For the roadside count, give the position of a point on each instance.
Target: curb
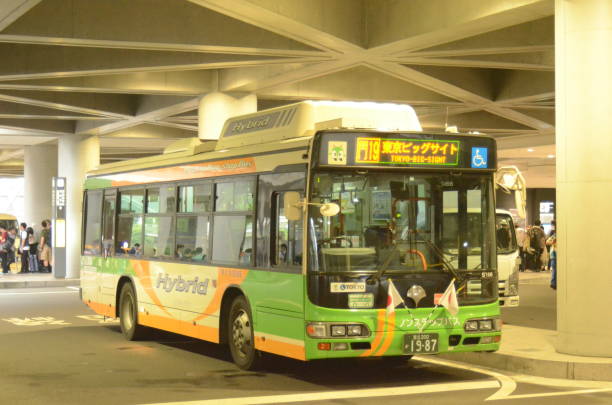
(537, 367)
(39, 283)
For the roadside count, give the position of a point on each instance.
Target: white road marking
(36, 321)
(39, 292)
(506, 384)
(558, 382)
(346, 394)
(558, 394)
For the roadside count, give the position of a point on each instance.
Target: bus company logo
(347, 287)
(178, 284)
(336, 153)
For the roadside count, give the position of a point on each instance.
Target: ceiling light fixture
(551, 156)
(530, 150)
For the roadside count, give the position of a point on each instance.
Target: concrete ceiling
(132, 71)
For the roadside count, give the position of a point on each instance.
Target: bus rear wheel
(241, 336)
(128, 314)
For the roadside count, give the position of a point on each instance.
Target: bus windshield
(400, 221)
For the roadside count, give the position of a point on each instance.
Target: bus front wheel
(128, 314)
(240, 335)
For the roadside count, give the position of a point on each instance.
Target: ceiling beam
(12, 10)
(149, 115)
(190, 82)
(290, 25)
(188, 27)
(398, 27)
(105, 105)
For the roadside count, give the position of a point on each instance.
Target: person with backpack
(44, 246)
(7, 250)
(32, 250)
(536, 247)
(24, 248)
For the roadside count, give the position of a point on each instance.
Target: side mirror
(329, 209)
(292, 206)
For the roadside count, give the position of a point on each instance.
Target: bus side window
(287, 235)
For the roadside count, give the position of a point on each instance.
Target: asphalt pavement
(56, 351)
(538, 307)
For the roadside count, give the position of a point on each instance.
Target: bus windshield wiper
(383, 267)
(446, 264)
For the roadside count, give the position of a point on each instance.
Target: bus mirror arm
(294, 206)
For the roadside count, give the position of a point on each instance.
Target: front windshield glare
(406, 223)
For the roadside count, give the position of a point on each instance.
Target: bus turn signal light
(324, 346)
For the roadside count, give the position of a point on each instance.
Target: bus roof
(276, 129)
(8, 217)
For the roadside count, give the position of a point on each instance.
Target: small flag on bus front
(449, 299)
(393, 298)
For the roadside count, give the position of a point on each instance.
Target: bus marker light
(486, 339)
(497, 339)
(316, 330)
(324, 346)
(340, 346)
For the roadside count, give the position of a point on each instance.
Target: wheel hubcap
(127, 314)
(241, 333)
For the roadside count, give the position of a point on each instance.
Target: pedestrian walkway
(531, 351)
(34, 280)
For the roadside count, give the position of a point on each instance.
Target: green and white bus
(284, 235)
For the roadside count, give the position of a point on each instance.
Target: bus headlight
(338, 330)
(319, 330)
(485, 325)
(482, 325)
(471, 326)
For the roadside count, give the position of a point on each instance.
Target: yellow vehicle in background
(9, 221)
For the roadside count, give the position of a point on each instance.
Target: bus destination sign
(407, 151)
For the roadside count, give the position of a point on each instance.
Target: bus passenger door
(109, 272)
(278, 283)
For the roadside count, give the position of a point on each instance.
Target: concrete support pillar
(583, 34)
(217, 107)
(77, 155)
(40, 165)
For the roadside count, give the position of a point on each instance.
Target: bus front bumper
(396, 343)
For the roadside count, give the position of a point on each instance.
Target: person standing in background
(553, 262)
(32, 250)
(7, 250)
(44, 246)
(3, 252)
(520, 240)
(24, 248)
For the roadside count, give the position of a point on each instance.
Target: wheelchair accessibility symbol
(479, 158)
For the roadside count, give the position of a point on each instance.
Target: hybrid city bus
(289, 234)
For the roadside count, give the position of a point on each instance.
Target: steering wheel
(417, 252)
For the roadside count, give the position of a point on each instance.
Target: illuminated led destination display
(407, 151)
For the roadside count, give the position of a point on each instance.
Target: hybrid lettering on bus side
(179, 285)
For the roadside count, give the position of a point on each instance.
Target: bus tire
(128, 314)
(240, 335)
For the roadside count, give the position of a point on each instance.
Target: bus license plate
(421, 343)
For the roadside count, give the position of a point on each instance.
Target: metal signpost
(59, 227)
